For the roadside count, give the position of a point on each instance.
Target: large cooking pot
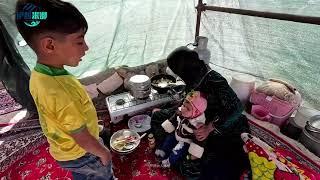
(162, 83)
(310, 142)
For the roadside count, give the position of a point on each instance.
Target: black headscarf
(186, 64)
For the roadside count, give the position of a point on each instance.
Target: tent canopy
(131, 32)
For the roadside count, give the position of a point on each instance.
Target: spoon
(130, 144)
(132, 141)
(143, 135)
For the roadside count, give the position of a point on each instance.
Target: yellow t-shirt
(64, 108)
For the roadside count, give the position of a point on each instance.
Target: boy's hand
(85, 140)
(106, 157)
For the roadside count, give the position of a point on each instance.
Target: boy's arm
(170, 124)
(85, 140)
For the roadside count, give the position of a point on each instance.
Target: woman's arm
(224, 107)
(231, 107)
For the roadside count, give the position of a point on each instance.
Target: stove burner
(121, 105)
(120, 102)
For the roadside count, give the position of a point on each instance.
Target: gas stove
(121, 105)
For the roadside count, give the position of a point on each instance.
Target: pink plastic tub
(279, 110)
(260, 113)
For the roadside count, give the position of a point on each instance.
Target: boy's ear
(47, 45)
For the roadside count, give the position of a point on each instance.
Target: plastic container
(260, 113)
(279, 110)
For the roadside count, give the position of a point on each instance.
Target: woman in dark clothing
(224, 157)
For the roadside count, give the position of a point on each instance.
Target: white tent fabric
(128, 32)
(267, 48)
(131, 32)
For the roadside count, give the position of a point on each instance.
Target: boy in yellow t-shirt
(66, 113)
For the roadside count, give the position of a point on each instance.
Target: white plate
(140, 123)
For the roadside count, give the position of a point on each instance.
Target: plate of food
(124, 141)
(140, 123)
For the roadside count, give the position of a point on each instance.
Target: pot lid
(315, 121)
(304, 114)
(139, 79)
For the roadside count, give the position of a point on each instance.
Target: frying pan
(162, 89)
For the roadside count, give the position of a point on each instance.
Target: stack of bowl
(310, 136)
(140, 86)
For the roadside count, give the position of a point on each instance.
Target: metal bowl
(119, 135)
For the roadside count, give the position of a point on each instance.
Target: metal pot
(140, 94)
(310, 142)
(313, 126)
(303, 115)
(140, 86)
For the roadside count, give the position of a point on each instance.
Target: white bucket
(243, 85)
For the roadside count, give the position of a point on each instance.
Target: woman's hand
(203, 131)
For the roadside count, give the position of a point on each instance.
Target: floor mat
(38, 164)
(7, 103)
(141, 164)
(275, 141)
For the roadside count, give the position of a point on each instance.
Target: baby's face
(186, 109)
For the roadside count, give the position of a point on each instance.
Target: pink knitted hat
(198, 102)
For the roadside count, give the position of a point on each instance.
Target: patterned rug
(37, 164)
(24, 155)
(7, 103)
(275, 141)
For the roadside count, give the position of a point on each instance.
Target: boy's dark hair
(62, 17)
